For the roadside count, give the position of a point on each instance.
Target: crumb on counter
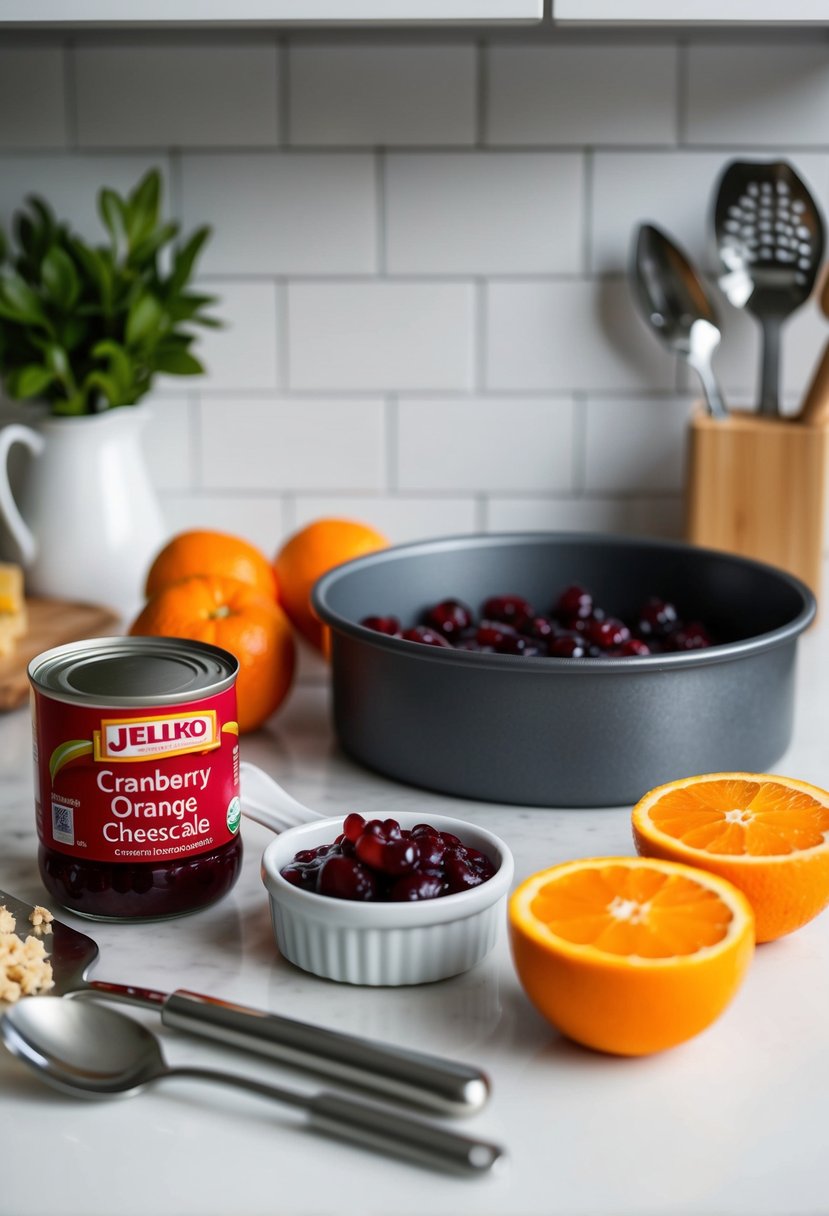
(24, 967)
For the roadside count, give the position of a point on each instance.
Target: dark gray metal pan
(563, 732)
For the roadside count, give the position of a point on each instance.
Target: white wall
(420, 249)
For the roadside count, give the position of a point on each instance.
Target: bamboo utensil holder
(757, 487)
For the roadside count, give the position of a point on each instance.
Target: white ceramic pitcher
(88, 522)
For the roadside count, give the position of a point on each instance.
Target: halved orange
(768, 835)
(630, 955)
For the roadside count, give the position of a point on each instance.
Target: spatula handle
(411, 1077)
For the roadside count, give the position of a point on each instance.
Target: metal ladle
(676, 306)
(85, 1049)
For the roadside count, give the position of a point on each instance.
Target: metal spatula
(410, 1077)
(770, 236)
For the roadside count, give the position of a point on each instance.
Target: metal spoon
(88, 1050)
(769, 235)
(675, 304)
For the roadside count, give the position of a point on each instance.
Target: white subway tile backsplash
(283, 213)
(243, 354)
(168, 442)
(581, 95)
(758, 95)
(635, 443)
(380, 335)
(259, 518)
(484, 213)
(284, 444)
(674, 190)
(400, 518)
(661, 517)
(189, 96)
(420, 250)
(573, 334)
(387, 93)
(70, 184)
(32, 89)
(486, 444)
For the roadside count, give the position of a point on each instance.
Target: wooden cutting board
(51, 623)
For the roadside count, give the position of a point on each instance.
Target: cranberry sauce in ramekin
(136, 751)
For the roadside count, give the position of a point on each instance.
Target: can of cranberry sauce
(136, 757)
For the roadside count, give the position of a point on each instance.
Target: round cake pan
(563, 732)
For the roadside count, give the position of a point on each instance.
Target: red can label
(137, 785)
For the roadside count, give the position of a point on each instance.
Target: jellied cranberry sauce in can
(136, 750)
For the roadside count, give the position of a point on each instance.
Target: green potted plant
(84, 331)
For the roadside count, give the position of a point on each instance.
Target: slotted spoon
(770, 237)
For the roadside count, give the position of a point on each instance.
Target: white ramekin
(386, 943)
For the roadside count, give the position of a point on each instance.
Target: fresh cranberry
(427, 637)
(634, 646)
(608, 633)
(449, 617)
(382, 624)
(353, 826)
(568, 646)
(391, 863)
(413, 887)
(460, 875)
(573, 604)
(540, 627)
(346, 879)
(508, 609)
(657, 618)
(692, 636)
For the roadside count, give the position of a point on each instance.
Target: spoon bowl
(675, 304)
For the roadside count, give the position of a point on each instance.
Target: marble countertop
(732, 1122)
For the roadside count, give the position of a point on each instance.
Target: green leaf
(28, 381)
(106, 385)
(57, 360)
(45, 215)
(3, 246)
(143, 320)
(142, 207)
(120, 365)
(185, 259)
(178, 363)
(26, 235)
(19, 303)
(147, 248)
(113, 213)
(60, 278)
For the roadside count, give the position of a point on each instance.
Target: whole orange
(312, 552)
(201, 551)
(237, 617)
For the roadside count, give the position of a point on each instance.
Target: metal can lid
(133, 671)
